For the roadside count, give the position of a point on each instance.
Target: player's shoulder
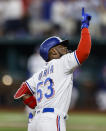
(60, 60)
(54, 61)
(68, 55)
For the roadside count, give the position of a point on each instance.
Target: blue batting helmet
(48, 44)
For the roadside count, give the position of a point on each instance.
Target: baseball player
(53, 83)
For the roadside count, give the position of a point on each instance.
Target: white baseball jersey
(53, 88)
(53, 84)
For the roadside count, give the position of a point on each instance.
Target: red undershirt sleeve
(84, 46)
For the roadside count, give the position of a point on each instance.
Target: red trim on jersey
(31, 102)
(57, 123)
(24, 89)
(84, 46)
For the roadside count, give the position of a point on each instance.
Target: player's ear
(54, 51)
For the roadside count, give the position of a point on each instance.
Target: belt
(48, 110)
(52, 110)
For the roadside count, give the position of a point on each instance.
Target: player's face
(57, 51)
(62, 50)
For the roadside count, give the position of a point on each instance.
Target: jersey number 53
(50, 89)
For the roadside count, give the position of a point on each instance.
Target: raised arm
(84, 46)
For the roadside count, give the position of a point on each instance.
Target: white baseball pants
(48, 121)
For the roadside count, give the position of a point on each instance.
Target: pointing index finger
(83, 11)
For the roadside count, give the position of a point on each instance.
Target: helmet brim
(65, 43)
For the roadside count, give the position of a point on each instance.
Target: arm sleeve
(84, 46)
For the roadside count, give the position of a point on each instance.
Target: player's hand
(85, 19)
